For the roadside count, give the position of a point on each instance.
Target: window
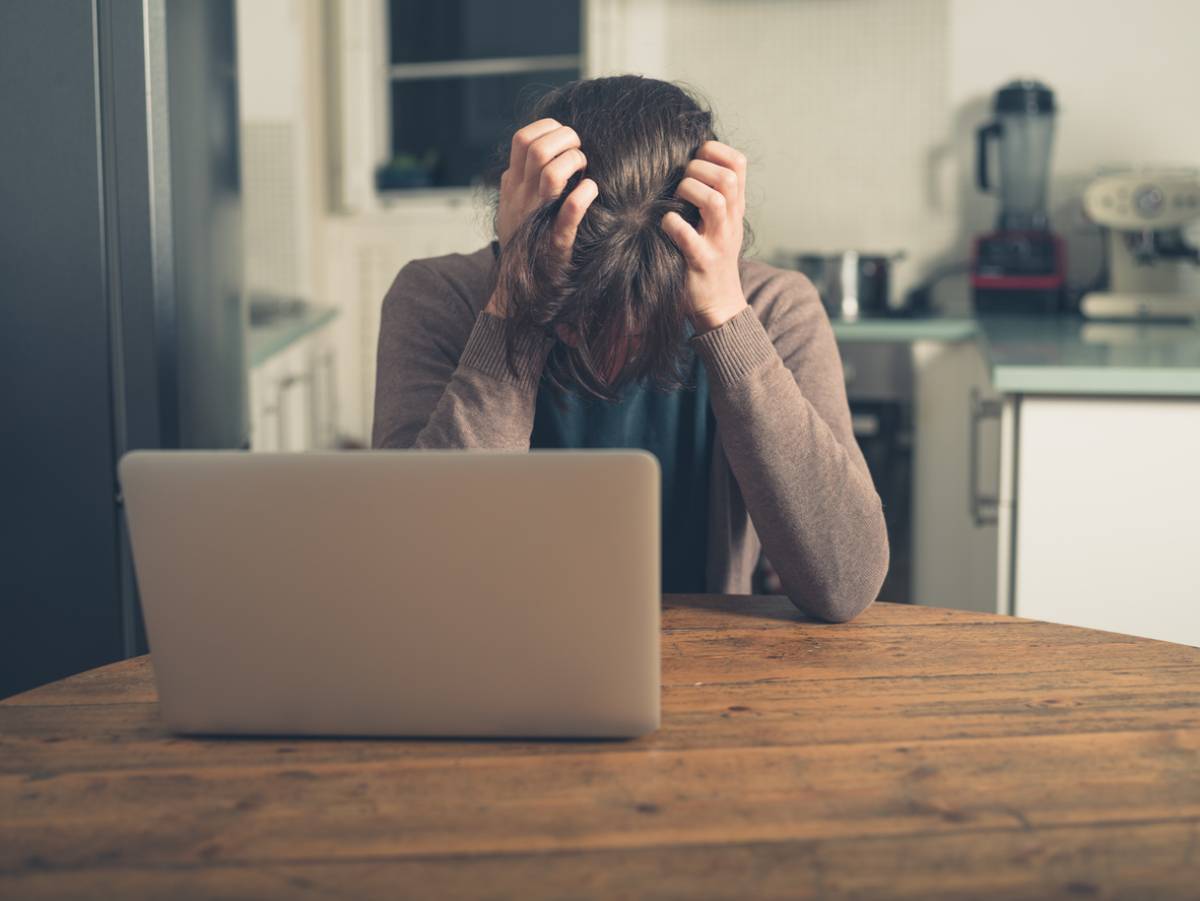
(459, 72)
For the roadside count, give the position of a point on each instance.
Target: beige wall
(1125, 74)
(858, 115)
(836, 104)
(858, 118)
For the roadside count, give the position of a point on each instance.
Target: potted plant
(407, 170)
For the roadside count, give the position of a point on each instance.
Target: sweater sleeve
(780, 399)
(442, 380)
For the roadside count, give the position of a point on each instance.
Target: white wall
(859, 115)
(279, 194)
(837, 104)
(1125, 77)
(1125, 73)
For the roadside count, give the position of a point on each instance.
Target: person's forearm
(485, 405)
(814, 507)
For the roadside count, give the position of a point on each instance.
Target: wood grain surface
(915, 753)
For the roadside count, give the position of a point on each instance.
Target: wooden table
(916, 752)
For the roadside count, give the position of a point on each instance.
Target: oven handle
(983, 508)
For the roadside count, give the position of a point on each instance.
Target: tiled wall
(272, 258)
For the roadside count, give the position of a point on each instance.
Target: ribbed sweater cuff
(734, 349)
(486, 352)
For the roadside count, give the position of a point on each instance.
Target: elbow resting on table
(854, 584)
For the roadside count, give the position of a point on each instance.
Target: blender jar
(1023, 129)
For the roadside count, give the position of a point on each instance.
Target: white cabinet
(1082, 510)
(955, 478)
(1106, 514)
(293, 397)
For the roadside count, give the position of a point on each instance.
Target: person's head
(622, 298)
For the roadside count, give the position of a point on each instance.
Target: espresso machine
(1020, 267)
(1144, 212)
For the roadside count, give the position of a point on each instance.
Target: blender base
(1019, 273)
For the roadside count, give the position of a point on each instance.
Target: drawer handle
(984, 508)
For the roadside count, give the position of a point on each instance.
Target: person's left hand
(715, 181)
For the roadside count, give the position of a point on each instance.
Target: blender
(1021, 266)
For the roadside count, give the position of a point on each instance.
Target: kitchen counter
(1077, 356)
(1060, 355)
(278, 333)
(1026, 429)
(928, 328)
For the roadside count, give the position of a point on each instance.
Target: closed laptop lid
(439, 593)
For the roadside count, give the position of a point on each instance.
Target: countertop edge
(1013, 378)
(265, 342)
(1093, 380)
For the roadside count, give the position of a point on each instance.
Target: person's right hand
(544, 156)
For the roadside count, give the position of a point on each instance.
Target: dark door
(60, 608)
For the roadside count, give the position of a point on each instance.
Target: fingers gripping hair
(621, 292)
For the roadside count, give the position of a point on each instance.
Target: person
(615, 307)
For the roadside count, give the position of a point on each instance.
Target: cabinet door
(322, 365)
(361, 264)
(264, 405)
(954, 536)
(1108, 515)
(294, 399)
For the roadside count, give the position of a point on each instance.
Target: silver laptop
(403, 593)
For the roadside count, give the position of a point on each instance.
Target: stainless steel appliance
(120, 244)
(1144, 213)
(880, 388)
(852, 284)
(1020, 267)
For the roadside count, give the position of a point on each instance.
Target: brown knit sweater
(786, 468)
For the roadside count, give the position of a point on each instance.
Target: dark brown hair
(625, 275)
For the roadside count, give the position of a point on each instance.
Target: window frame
(462, 68)
(616, 36)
